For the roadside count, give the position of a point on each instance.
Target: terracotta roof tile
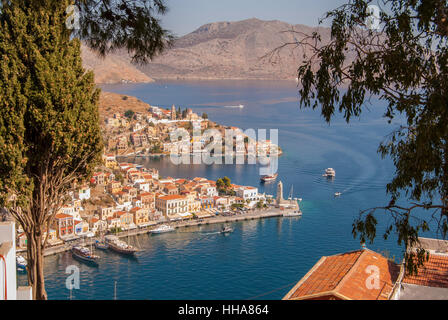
(345, 276)
(433, 273)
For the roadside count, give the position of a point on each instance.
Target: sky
(185, 16)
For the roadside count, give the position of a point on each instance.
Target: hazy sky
(186, 16)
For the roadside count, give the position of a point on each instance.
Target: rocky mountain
(234, 50)
(114, 68)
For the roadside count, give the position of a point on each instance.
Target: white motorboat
(21, 263)
(337, 194)
(295, 213)
(269, 178)
(329, 173)
(163, 229)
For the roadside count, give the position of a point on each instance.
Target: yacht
(269, 178)
(120, 246)
(295, 213)
(163, 229)
(330, 173)
(84, 254)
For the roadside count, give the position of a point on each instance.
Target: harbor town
(127, 199)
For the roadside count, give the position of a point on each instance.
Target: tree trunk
(35, 265)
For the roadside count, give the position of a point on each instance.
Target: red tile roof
(62, 216)
(433, 273)
(172, 197)
(346, 276)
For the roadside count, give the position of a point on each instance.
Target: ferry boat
(21, 263)
(84, 254)
(269, 178)
(163, 229)
(329, 173)
(119, 246)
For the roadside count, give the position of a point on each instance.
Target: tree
(227, 182)
(220, 184)
(109, 25)
(49, 127)
(129, 114)
(404, 63)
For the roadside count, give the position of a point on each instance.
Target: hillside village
(123, 196)
(147, 132)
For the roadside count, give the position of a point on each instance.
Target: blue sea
(261, 259)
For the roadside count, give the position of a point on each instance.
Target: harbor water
(260, 259)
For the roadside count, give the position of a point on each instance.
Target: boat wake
(241, 106)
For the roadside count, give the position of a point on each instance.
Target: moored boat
(119, 246)
(84, 254)
(21, 263)
(162, 229)
(295, 213)
(101, 245)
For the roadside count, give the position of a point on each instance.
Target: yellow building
(141, 216)
(172, 205)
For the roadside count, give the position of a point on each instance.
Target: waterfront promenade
(271, 212)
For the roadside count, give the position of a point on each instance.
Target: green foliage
(224, 186)
(49, 125)
(129, 114)
(50, 118)
(405, 64)
(236, 206)
(156, 149)
(109, 25)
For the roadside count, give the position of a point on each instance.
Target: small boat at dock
(84, 254)
(162, 229)
(21, 263)
(101, 245)
(119, 246)
(295, 213)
